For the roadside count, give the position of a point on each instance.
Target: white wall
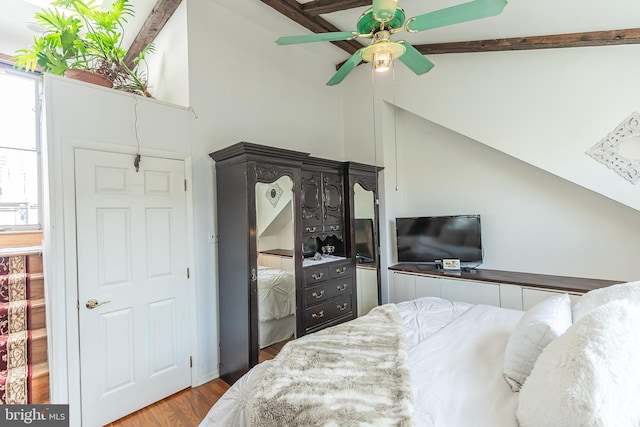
(243, 87)
(168, 66)
(532, 221)
(546, 107)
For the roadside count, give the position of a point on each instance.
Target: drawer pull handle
(342, 307)
(317, 276)
(317, 295)
(341, 270)
(318, 315)
(310, 229)
(342, 287)
(335, 227)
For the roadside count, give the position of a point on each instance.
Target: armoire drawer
(338, 271)
(334, 228)
(317, 294)
(313, 275)
(327, 311)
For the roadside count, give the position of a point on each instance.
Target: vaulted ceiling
(310, 15)
(320, 16)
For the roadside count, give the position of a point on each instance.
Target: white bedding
(457, 372)
(456, 353)
(276, 305)
(276, 294)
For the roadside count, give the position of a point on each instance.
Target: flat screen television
(365, 240)
(429, 239)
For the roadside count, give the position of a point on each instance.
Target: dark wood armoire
(325, 291)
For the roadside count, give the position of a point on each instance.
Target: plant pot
(88, 77)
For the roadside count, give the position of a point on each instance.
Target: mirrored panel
(365, 223)
(275, 234)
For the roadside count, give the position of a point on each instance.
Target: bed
(276, 305)
(556, 364)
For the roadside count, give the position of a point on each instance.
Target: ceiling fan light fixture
(382, 54)
(382, 59)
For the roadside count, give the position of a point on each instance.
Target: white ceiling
(520, 18)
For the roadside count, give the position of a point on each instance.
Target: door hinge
(191, 361)
(185, 185)
(188, 273)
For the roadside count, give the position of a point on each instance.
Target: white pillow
(590, 375)
(540, 325)
(597, 297)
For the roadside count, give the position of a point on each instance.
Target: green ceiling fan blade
(455, 14)
(384, 10)
(320, 37)
(414, 60)
(346, 68)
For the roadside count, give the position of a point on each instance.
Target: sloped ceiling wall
(546, 108)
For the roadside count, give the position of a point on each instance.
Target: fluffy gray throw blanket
(353, 374)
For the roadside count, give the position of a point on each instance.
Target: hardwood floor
(188, 407)
(184, 409)
(270, 352)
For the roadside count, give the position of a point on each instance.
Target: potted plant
(78, 35)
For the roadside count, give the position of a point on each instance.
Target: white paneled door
(132, 282)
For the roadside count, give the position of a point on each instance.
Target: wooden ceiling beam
(152, 26)
(557, 41)
(318, 7)
(293, 10)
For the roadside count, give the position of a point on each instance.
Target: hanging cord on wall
(395, 124)
(373, 111)
(375, 142)
(137, 159)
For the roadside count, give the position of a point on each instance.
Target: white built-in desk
(507, 289)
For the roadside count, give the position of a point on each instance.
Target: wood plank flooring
(188, 407)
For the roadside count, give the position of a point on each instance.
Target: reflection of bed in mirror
(276, 298)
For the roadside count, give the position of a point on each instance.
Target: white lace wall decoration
(606, 151)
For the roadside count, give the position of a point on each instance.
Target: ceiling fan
(383, 20)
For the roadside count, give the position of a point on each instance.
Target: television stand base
(427, 267)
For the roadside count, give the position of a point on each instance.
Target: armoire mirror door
(275, 242)
(366, 229)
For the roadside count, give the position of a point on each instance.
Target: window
(20, 181)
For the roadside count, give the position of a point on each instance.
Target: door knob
(93, 303)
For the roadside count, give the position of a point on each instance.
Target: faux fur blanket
(353, 374)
